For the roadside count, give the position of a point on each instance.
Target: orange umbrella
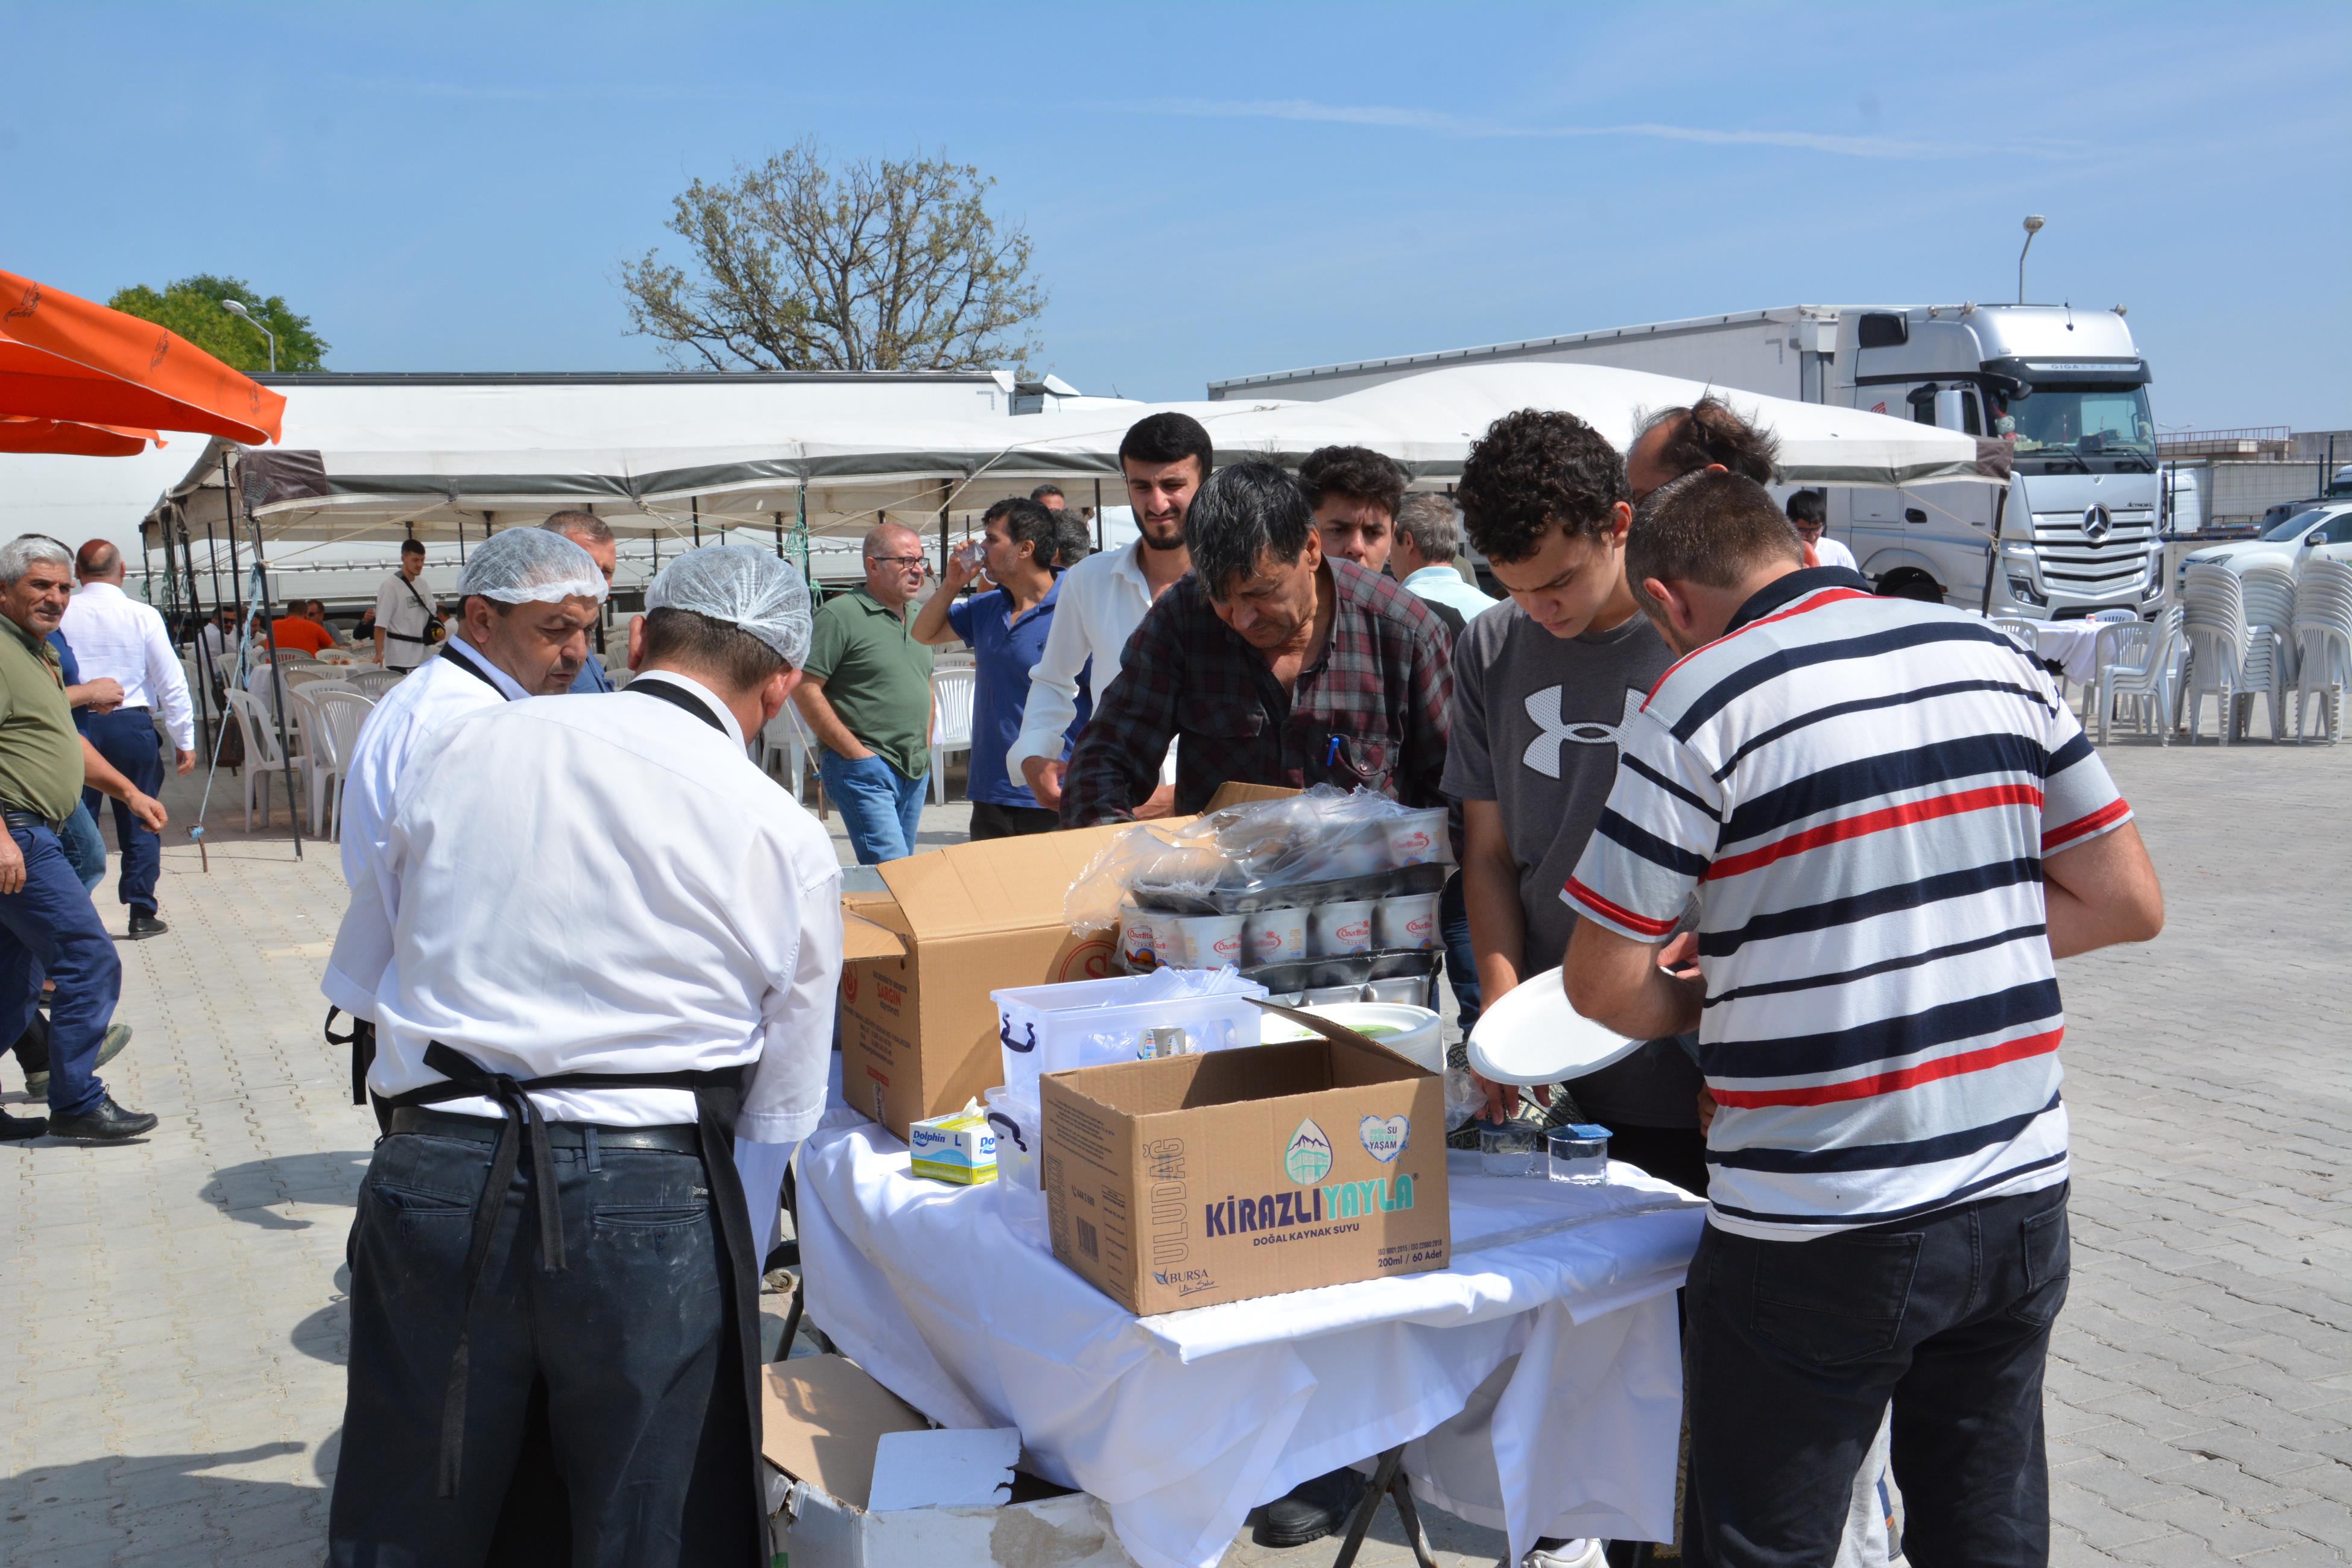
(65, 438)
(64, 359)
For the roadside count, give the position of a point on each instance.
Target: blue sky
(1218, 190)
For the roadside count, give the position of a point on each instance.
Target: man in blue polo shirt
(1005, 628)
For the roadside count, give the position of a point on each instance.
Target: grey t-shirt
(1534, 727)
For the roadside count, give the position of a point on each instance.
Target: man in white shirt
(1428, 541)
(525, 605)
(405, 615)
(556, 1204)
(116, 638)
(1809, 510)
(1101, 601)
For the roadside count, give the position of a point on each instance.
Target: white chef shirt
(397, 610)
(1443, 585)
(1828, 552)
(439, 692)
(115, 635)
(602, 885)
(1099, 604)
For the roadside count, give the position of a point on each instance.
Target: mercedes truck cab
(2080, 526)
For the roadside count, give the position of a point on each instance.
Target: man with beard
(1166, 458)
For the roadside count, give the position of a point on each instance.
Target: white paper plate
(1533, 1036)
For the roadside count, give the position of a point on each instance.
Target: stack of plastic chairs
(2270, 646)
(2323, 637)
(2214, 600)
(2024, 633)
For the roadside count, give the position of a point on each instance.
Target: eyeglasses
(903, 562)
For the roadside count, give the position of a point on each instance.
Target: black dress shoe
(1309, 1511)
(143, 924)
(14, 1128)
(105, 1122)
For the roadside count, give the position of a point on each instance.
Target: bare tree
(885, 265)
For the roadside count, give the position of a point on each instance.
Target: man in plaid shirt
(1276, 664)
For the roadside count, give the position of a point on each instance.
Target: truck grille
(2073, 564)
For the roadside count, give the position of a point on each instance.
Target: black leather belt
(682, 1138)
(32, 819)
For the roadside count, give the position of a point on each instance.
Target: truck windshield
(2068, 422)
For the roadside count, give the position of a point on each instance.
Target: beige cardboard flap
(1234, 793)
(861, 938)
(995, 885)
(821, 1418)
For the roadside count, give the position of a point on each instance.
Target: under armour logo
(1543, 752)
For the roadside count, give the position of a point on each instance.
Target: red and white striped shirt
(1860, 792)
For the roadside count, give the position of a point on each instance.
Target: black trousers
(1794, 1350)
(989, 820)
(632, 1348)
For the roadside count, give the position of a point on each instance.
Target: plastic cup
(1418, 838)
(1514, 1149)
(1579, 1154)
(1138, 945)
(1334, 930)
(1409, 920)
(1275, 936)
(1212, 941)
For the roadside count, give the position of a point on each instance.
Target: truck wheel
(1909, 582)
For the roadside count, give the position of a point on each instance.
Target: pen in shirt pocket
(1331, 752)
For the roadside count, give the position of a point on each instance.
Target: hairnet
(528, 565)
(743, 587)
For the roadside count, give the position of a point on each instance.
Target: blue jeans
(879, 806)
(85, 850)
(127, 738)
(50, 927)
(1460, 963)
(1946, 1318)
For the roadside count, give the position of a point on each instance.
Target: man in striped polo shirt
(1893, 827)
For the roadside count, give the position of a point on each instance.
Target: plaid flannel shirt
(1370, 710)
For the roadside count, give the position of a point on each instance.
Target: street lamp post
(236, 307)
(2032, 227)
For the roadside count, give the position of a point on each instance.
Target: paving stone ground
(181, 1327)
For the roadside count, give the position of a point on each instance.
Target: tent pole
(235, 571)
(461, 541)
(1098, 516)
(943, 530)
(801, 537)
(1992, 551)
(694, 509)
(276, 671)
(780, 535)
(207, 700)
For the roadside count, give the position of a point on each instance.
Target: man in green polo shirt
(865, 692)
(48, 928)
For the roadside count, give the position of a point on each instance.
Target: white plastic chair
(374, 682)
(785, 742)
(262, 756)
(334, 727)
(2220, 641)
(2323, 639)
(2106, 617)
(2269, 668)
(2024, 633)
(952, 691)
(2134, 661)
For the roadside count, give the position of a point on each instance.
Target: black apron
(718, 1098)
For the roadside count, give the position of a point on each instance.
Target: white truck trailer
(2079, 523)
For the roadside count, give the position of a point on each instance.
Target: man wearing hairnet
(589, 1116)
(527, 601)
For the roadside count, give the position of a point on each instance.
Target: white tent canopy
(666, 459)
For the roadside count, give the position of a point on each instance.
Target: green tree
(893, 264)
(192, 307)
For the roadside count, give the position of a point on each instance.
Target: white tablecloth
(1538, 1380)
(2073, 645)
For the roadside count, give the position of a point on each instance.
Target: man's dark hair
(96, 559)
(316, 609)
(1531, 472)
(1358, 473)
(1047, 488)
(1707, 528)
(1246, 511)
(1074, 543)
(682, 637)
(1808, 508)
(1029, 522)
(1708, 432)
(1168, 438)
(410, 547)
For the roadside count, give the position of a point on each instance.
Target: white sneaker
(1582, 1554)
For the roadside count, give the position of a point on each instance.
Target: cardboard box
(860, 1480)
(1188, 1180)
(917, 1030)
